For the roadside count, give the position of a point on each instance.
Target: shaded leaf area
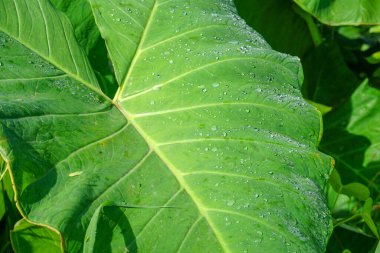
(352, 137)
(343, 239)
(328, 80)
(222, 135)
(9, 214)
(109, 231)
(87, 33)
(277, 21)
(343, 12)
(30, 238)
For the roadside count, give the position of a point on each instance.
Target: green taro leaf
(343, 12)
(28, 238)
(208, 120)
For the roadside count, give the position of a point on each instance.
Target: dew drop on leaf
(230, 202)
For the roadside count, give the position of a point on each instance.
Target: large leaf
(280, 25)
(208, 120)
(343, 12)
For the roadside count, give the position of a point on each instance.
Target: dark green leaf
(276, 20)
(352, 138)
(328, 80)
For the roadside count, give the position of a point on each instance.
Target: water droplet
(204, 90)
(214, 149)
(171, 61)
(118, 19)
(215, 85)
(214, 128)
(257, 195)
(230, 202)
(247, 110)
(224, 134)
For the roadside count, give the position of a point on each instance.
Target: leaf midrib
(154, 147)
(129, 118)
(180, 178)
(152, 144)
(137, 53)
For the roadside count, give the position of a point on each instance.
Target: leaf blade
(49, 142)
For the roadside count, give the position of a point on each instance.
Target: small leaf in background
(322, 108)
(343, 12)
(350, 32)
(356, 190)
(29, 238)
(374, 58)
(374, 29)
(367, 217)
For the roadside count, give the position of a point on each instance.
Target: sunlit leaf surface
(208, 120)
